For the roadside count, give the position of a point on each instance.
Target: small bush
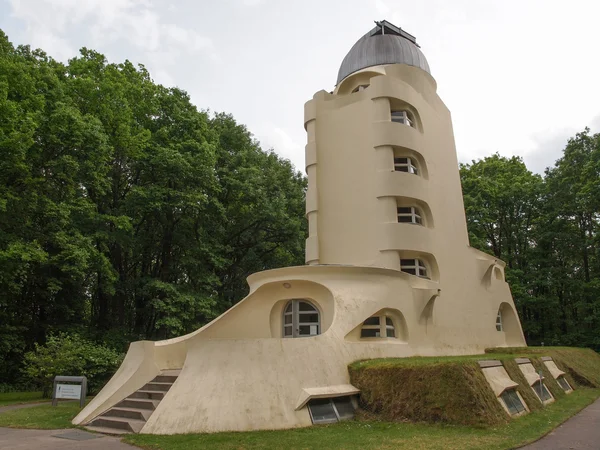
(70, 355)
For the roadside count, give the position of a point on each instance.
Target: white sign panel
(72, 391)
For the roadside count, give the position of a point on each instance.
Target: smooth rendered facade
(389, 272)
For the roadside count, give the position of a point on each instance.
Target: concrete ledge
(489, 363)
(546, 358)
(341, 390)
(522, 360)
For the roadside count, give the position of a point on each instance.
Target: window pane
(405, 219)
(321, 411)
(401, 160)
(401, 168)
(421, 264)
(414, 170)
(407, 262)
(308, 330)
(304, 306)
(287, 331)
(389, 321)
(288, 308)
(541, 391)
(369, 333)
(512, 401)
(404, 210)
(391, 333)
(372, 321)
(308, 318)
(410, 271)
(564, 383)
(287, 318)
(344, 407)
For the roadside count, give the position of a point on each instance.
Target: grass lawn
(384, 435)
(43, 417)
(15, 398)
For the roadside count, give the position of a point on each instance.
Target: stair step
(152, 395)
(138, 403)
(128, 413)
(157, 386)
(105, 430)
(119, 423)
(165, 379)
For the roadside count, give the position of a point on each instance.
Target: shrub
(71, 355)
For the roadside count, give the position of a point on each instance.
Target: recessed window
(403, 117)
(409, 214)
(562, 381)
(512, 401)
(414, 267)
(331, 410)
(360, 88)
(499, 326)
(406, 164)
(301, 319)
(377, 327)
(541, 391)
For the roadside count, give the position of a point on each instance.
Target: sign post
(69, 391)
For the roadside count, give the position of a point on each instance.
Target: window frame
(383, 326)
(339, 418)
(411, 165)
(415, 215)
(540, 386)
(420, 268)
(560, 380)
(402, 116)
(295, 312)
(499, 322)
(510, 395)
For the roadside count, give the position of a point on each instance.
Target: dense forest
(126, 213)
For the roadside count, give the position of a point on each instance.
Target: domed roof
(384, 44)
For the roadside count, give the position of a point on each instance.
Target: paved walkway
(581, 432)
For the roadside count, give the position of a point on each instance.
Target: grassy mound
(453, 390)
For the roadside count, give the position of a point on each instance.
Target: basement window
(406, 164)
(563, 383)
(377, 327)
(499, 326)
(541, 391)
(330, 410)
(512, 401)
(403, 117)
(409, 214)
(414, 267)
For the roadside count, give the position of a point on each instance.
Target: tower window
(409, 214)
(377, 327)
(499, 326)
(301, 319)
(414, 267)
(406, 165)
(360, 88)
(512, 401)
(403, 117)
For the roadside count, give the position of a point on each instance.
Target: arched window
(409, 214)
(414, 267)
(403, 117)
(406, 164)
(300, 319)
(378, 327)
(499, 326)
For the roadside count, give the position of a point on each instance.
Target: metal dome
(384, 44)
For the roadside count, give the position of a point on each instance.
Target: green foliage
(126, 213)
(547, 231)
(70, 355)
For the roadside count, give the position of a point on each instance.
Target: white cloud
(276, 138)
(253, 2)
(382, 7)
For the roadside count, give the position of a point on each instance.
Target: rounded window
(414, 267)
(381, 326)
(301, 319)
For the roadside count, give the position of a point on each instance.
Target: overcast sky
(520, 76)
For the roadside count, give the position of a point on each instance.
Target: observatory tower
(389, 271)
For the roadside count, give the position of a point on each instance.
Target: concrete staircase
(130, 415)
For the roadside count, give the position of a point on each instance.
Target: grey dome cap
(384, 44)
